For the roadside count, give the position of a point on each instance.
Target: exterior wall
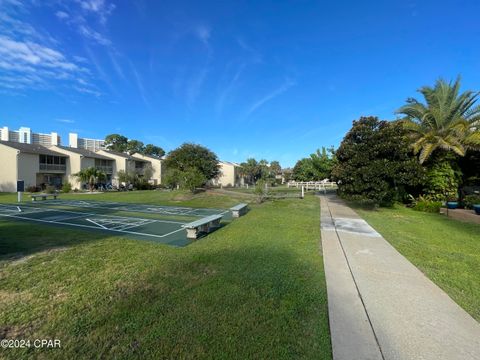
(28, 167)
(8, 174)
(120, 163)
(229, 175)
(156, 166)
(27, 136)
(73, 166)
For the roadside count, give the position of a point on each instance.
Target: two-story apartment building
(229, 175)
(80, 159)
(40, 160)
(37, 165)
(125, 162)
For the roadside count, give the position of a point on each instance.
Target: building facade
(36, 165)
(40, 160)
(79, 159)
(230, 175)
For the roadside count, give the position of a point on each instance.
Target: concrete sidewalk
(380, 305)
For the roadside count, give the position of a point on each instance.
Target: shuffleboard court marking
(142, 208)
(91, 227)
(93, 222)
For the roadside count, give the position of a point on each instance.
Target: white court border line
(92, 227)
(40, 210)
(89, 226)
(133, 207)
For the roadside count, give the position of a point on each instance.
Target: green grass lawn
(252, 289)
(209, 199)
(446, 250)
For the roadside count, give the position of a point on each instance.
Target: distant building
(83, 143)
(229, 175)
(25, 136)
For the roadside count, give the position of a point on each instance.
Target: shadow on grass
(253, 302)
(22, 238)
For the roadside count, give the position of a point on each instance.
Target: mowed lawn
(446, 250)
(252, 289)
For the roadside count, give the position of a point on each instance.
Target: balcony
(53, 167)
(105, 169)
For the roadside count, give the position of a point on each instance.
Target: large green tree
(189, 157)
(116, 142)
(135, 146)
(447, 121)
(375, 162)
(153, 150)
(316, 167)
(251, 170)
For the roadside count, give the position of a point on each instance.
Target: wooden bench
(239, 210)
(204, 225)
(43, 196)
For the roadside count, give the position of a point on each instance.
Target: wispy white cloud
(203, 32)
(62, 15)
(66, 121)
(227, 90)
(89, 33)
(116, 66)
(273, 94)
(30, 64)
(255, 56)
(140, 86)
(30, 58)
(101, 8)
(195, 85)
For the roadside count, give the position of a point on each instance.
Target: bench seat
(239, 210)
(204, 225)
(43, 196)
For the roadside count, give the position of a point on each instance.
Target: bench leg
(213, 225)
(235, 213)
(192, 233)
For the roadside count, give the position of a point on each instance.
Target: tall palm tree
(90, 175)
(448, 120)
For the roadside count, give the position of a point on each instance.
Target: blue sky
(268, 79)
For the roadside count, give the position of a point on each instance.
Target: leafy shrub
(32, 189)
(260, 191)
(442, 180)
(50, 189)
(471, 200)
(192, 179)
(427, 204)
(375, 163)
(67, 187)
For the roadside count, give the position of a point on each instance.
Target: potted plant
(473, 202)
(452, 203)
(476, 208)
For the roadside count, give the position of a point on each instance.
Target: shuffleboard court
(131, 207)
(97, 216)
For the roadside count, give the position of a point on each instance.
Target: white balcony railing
(105, 169)
(53, 167)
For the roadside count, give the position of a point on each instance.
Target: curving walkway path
(380, 305)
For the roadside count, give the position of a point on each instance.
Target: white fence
(313, 185)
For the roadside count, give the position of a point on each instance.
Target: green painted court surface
(162, 224)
